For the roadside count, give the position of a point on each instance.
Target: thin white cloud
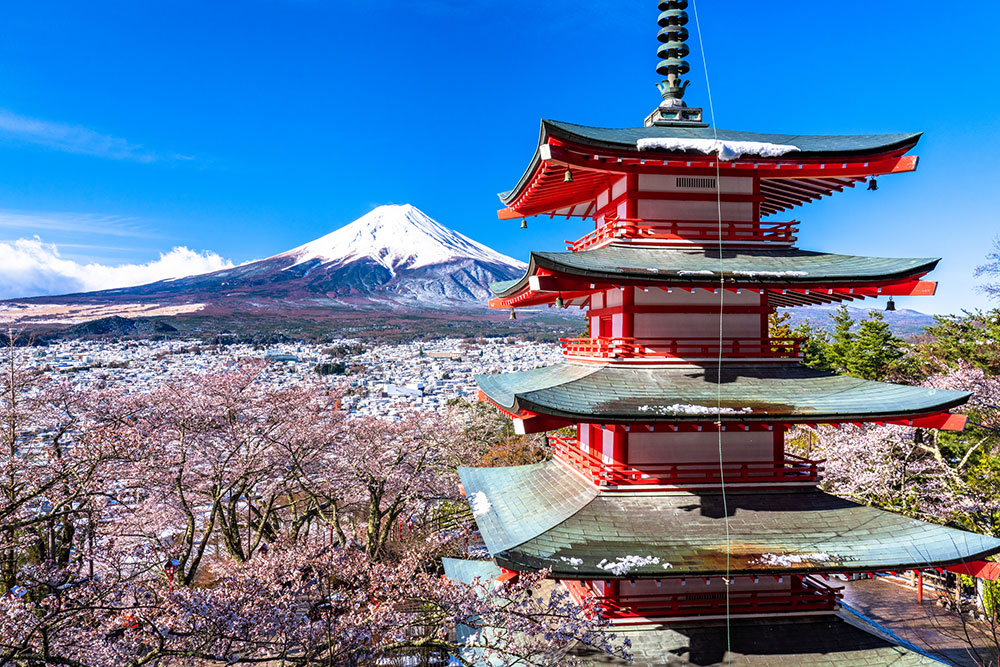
(30, 267)
(29, 222)
(75, 139)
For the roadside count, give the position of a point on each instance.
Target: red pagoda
(675, 504)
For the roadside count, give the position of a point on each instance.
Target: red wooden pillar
(756, 199)
(619, 445)
(765, 311)
(628, 312)
(632, 196)
(779, 443)
(612, 590)
(920, 587)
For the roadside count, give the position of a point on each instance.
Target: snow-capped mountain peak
(396, 237)
(393, 258)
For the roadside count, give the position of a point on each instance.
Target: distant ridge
(903, 322)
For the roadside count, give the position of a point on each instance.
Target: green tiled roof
(595, 392)
(830, 641)
(810, 146)
(466, 571)
(652, 266)
(543, 516)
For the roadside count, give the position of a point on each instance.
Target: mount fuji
(394, 258)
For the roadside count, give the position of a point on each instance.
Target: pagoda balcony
(793, 470)
(689, 232)
(681, 350)
(812, 596)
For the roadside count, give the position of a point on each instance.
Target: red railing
(671, 233)
(813, 596)
(679, 350)
(684, 475)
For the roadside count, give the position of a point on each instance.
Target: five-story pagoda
(675, 503)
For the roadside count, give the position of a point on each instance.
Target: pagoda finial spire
(672, 51)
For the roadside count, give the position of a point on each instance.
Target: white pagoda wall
(652, 209)
(667, 447)
(682, 324)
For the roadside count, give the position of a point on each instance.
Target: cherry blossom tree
(50, 473)
(213, 459)
(378, 475)
(186, 521)
(303, 606)
(948, 477)
(990, 269)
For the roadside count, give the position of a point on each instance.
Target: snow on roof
(479, 503)
(726, 150)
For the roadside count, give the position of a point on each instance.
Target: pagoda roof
(766, 393)
(828, 640)
(785, 267)
(467, 571)
(544, 516)
(808, 145)
(623, 144)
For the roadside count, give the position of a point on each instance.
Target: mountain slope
(396, 237)
(395, 257)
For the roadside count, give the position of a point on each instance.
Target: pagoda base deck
(827, 639)
(809, 638)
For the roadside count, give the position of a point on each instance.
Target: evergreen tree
(814, 347)
(874, 351)
(778, 325)
(972, 337)
(841, 347)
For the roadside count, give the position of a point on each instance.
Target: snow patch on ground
(726, 150)
(624, 564)
(678, 408)
(479, 503)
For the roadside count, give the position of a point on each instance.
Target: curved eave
(785, 393)
(542, 516)
(811, 146)
(623, 141)
(790, 267)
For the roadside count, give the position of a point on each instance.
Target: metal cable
(722, 298)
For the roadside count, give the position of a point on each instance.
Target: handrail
(812, 596)
(673, 232)
(680, 349)
(681, 475)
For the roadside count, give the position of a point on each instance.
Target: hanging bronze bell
(524, 223)
(873, 185)
(568, 178)
(891, 306)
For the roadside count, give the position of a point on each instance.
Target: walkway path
(927, 626)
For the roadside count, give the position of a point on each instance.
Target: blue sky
(237, 130)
